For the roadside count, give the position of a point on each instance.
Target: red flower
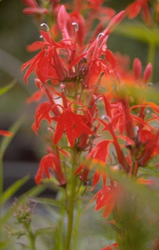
(33, 8)
(106, 198)
(98, 155)
(5, 133)
(111, 247)
(134, 8)
(151, 144)
(42, 112)
(47, 63)
(50, 162)
(109, 127)
(71, 123)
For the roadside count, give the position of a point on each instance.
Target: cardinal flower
(72, 124)
(98, 155)
(42, 112)
(50, 163)
(33, 8)
(47, 63)
(106, 198)
(134, 8)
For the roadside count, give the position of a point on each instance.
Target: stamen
(104, 47)
(76, 26)
(136, 129)
(148, 111)
(149, 84)
(45, 25)
(99, 35)
(117, 167)
(106, 118)
(62, 86)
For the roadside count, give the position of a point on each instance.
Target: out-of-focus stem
(32, 241)
(1, 192)
(151, 55)
(31, 237)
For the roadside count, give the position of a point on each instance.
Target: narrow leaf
(12, 189)
(7, 88)
(43, 230)
(6, 140)
(150, 171)
(47, 201)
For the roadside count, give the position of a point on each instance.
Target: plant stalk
(1, 193)
(151, 56)
(71, 201)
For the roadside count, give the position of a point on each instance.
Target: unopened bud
(137, 67)
(147, 72)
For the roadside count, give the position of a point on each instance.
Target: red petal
(111, 247)
(111, 59)
(133, 9)
(5, 133)
(59, 130)
(42, 112)
(35, 46)
(31, 3)
(30, 11)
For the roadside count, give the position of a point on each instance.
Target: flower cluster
(78, 75)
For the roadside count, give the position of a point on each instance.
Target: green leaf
(3, 244)
(12, 232)
(7, 88)
(139, 32)
(47, 201)
(147, 93)
(6, 140)
(150, 171)
(12, 189)
(43, 230)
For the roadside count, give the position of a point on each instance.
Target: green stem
(71, 201)
(1, 193)
(31, 237)
(59, 234)
(32, 241)
(77, 222)
(151, 54)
